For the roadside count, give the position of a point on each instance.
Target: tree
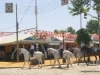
(83, 36)
(83, 6)
(71, 30)
(92, 26)
(56, 31)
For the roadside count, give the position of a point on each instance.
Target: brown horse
(89, 53)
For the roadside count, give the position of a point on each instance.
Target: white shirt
(91, 45)
(82, 44)
(32, 47)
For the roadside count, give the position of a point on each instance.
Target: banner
(8, 7)
(64, 2)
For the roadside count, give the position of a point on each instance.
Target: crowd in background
(2, 55)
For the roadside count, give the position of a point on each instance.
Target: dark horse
(90, 53)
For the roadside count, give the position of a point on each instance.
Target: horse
(27, 57)
(68, 56)
(89, 53)
(79, 54)
(56, 54)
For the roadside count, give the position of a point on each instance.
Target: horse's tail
(12, 56)
(45, 54)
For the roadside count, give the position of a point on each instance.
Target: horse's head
(22, 50)
(75, 50)
(19, 51)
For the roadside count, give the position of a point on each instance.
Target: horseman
(61, 48)
(31, 50)
(82, 44)
(92, 47)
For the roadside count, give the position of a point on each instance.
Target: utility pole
(36, 25)
(80, 21)
(17, 35)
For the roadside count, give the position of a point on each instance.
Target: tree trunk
(99, 27)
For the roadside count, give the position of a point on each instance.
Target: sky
(51, 16)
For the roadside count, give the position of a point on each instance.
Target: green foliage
(83, 36)
(83, 6)
(56, 31)
(71, 30)
(92, 26)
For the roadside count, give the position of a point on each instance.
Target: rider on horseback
(61, 50)
(82, 44)
(31, 50)
(92, 47)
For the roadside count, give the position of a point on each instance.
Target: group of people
(32, 49)
(91, 46)
(61, 48)
(2, 55)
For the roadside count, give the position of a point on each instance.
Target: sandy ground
(19, 64)
(14, 68)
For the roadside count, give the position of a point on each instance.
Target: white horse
(79, 54)
(69, 57)
(55, 54)
(37, 55)
(66, 54)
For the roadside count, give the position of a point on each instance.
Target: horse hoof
(59, 67)
(67, 66)
(40, 67)
(52, 67)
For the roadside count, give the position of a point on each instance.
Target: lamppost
(64, 61)
(63, 38)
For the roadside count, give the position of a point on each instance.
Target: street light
(63, 38)
(64, 61)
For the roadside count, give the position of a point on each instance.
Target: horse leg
(38, 63)
(23, 64)
(29, 64)
(99, 59)
(95, 58)
(54, 63)
(87, 61)
(41, 62)
(59, 63)
(78, 61)
(90, 61)
(68, 61)
(84, 56)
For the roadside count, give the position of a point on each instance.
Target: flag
(64, 2)
(8, 7)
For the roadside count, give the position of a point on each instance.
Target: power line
(8, 28)
(25, 11)
(49, 7)
(18, 31)
(41, 9)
